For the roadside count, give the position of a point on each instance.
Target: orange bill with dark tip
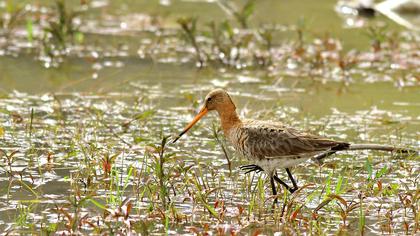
(203, 111)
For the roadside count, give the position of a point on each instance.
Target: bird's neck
(229, 119)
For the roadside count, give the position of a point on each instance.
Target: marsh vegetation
(92, 91)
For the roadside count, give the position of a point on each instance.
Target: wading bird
(271, 145)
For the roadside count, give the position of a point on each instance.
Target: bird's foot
(251, 168)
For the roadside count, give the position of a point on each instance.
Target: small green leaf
(211, 210)
(10, 7)
(339, 184)
(79, 36)
(362, 220)
(52, 227)
(228, 29)
(29, 30)
(127, 178)
(368, 166)
(381, 172)
(97, 204)
(328, 185)
(71, 154)
(248, 8)
(138, 139)
(394, 186)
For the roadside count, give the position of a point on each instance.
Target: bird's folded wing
(275, 140)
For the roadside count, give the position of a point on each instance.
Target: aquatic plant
(10, 158)
(241, 14)
(149, 186)
(377, 35)
(15, 13)
(159, 158)
(189, 29)
(228, 46)
(60, 33)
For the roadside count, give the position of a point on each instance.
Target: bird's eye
(209, 99)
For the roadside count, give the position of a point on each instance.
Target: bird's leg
(273, 187)
(283, 183)
(295, 187)
(251, 168)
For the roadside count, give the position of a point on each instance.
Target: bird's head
(217, 99)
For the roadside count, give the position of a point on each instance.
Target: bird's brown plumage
(263, 140)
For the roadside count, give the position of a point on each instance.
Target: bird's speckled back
(263, 139)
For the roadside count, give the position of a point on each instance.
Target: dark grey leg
(295, 187)
(283, 183)
(273, 187)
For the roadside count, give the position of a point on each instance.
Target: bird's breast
(238, 137)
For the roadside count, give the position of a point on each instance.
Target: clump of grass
(377, 35)
(228, 46)
(189, 29)
(10, 158)
(202, 194)
(71, 213)
(265, 59)
(241, 14)
(23, 216)
(61, 31)
(160, 181)
(15, 13)
(225, 45)
(159, 169)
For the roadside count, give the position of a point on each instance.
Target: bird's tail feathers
(341, 147)
(365, 146)
(381, 147)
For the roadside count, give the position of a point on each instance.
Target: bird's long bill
(202, 112)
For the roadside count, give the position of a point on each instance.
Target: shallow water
(107, 99)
